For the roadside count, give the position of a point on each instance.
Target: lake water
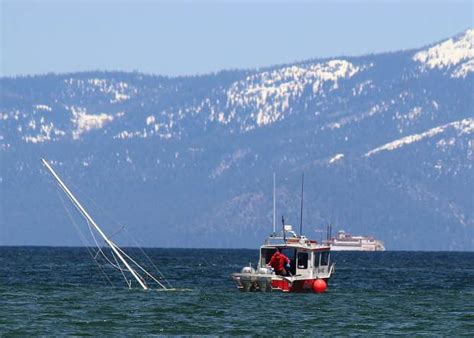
(60, 291)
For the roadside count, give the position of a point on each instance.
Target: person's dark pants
(282, 272)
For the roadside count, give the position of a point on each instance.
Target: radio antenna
(274, 203)
(301, 212)
(283, 227)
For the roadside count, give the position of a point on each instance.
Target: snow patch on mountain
(150, 120)
(463, 69)
(118, 91)
(335, 158)
(444, 144)
(47, 132)
(269, 94)
(450, 53)
(464, 126)
(125, 134)
(362, 87)
(229, 161)
(408, 118)
(84, 122)
(162, 130)
(378, 108)
(42, 107)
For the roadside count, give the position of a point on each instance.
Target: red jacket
(278, 261)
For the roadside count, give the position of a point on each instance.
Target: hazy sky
(189, 37)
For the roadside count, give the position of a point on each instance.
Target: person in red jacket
(279, 262)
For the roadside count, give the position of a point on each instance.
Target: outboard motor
(247, 278)
(264, 279)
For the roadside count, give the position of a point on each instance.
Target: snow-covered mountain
(385, 142)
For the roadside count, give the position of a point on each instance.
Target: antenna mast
(283, 227)
(274, 203)
(301, 212)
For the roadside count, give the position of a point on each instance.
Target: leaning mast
(96, 227)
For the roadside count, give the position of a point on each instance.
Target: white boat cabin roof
(289, 239)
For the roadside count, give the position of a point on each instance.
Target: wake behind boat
(129, 268)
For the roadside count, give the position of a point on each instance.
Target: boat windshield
(321, 258)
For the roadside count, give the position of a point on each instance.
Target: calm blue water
(59, 291)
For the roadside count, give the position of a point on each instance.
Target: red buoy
(319, 286)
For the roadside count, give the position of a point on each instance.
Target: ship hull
(355, 248)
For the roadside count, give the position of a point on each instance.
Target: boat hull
(256, 283)
(302, 285)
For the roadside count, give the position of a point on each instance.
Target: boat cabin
(307, 257)
(303, 260)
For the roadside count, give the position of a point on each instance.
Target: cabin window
(325, 258)
(302, 260)
(289, 252)
(316, 259)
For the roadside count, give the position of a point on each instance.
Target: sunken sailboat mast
(115, 249)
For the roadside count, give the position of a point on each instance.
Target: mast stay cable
(117, 266)
(83, 239)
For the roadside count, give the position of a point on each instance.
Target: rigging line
(118, 267)
(117, 231)
(93, 236)
(84, 241)
(148, 258)
(123, 274)
(92, 233)
(123, 253)
(140, 267)
(96, 227)
(131, 270)
(83, 238)
(123, 227)
(98, 205)
(100, 248)
(109, 215)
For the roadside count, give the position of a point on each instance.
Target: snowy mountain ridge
(465, 126)
(269, 94)
(456, 52)
(385, 142)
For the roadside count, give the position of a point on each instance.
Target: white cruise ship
(346, 242)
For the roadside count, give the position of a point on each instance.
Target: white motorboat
(309, 267)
